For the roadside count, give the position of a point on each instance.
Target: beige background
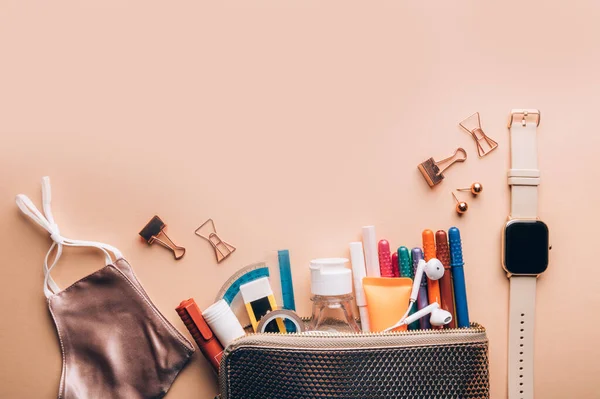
(293, 124)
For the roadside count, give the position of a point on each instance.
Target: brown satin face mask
(114, 341)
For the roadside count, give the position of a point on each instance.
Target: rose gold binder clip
(221, 248)
(432, 170)
(472, 125)
(151, 233)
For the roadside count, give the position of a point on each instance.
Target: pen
(422, 301)
(385, 259)
(359, 272)
(406, 270)
(443, 254)
(405, 264)
(433, 287)
(370, 248)
(458, 278)
(395, 265)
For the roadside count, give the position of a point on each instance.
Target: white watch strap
(520, 337)
(524, 175)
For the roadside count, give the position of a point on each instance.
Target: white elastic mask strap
(46, 221)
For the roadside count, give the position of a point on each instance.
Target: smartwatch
(525, 250)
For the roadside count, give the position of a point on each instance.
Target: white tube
(371, 256)
(223, 322)
(364, 319)
(359, 272)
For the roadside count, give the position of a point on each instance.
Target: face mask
(114, 341)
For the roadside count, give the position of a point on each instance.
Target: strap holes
(521, 345)
(522, 330)
(520, 383)
(520, 368)
(522, 322)
(521, 376)
(522, 314)
(521, 337)
(521, 353)
(521, 361)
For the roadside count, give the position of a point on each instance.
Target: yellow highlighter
(259, 300)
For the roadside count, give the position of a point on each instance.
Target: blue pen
(422, 298)
(458, 278)
(406, 270)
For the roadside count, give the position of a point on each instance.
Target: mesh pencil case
(448, 363)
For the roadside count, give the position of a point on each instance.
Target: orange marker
(433, 287)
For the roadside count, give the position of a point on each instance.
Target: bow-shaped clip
(221, 248)
(472, 125)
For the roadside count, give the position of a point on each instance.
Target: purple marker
(422, 299)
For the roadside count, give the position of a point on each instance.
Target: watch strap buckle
(525, 116)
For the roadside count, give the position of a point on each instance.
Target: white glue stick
(223, 322)
(371, 256)
(357, 258)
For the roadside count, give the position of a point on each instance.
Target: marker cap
(329, 277)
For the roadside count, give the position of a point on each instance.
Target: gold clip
(221, 248)
(473, 126)
(432, 170)
(525, 115)
(151, 233)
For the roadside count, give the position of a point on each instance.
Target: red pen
(385, 259)
(443, 254)
(395, 264)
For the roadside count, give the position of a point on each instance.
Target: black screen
(526, 247)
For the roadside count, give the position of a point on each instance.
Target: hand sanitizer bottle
(331, 289)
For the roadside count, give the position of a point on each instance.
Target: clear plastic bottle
(331, 288)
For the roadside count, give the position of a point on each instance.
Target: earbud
(434, 270)
(439, 317)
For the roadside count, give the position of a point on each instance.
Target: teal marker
(406, 270)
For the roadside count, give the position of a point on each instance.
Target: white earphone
(434, 270)
(439, 317)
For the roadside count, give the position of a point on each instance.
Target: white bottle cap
(223, 322)
(330, 276)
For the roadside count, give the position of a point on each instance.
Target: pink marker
(385, 259)
(395, 264)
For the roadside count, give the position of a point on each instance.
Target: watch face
(526, 247)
